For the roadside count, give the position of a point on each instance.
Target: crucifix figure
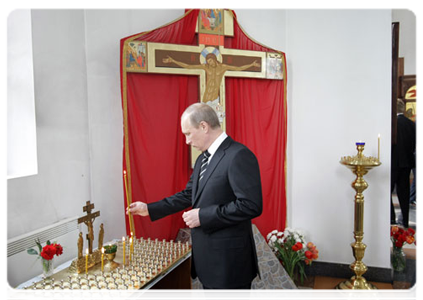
(89, 220)
(214, 73)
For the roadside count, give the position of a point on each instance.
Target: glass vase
(48, 267)
(398, 259)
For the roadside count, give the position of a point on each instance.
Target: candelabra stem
(359, 168)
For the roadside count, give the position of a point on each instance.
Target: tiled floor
(401, 281)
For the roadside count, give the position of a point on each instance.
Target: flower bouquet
(110, 249)
(399, 237)
(47, 254)
(291, 249)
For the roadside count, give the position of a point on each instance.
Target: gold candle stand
(359, 165)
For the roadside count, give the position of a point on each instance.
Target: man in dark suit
(224, 192)
(415, 186)
(402, 161)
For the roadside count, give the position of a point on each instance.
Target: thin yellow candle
(378, 147)
(123, 240)
(130, 249)
(126, 184)
(86, 261)
(102, 259)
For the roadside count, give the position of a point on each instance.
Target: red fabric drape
(158, 156)
(256, 117)
(160, 162)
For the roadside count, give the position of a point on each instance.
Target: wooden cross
(89, 220)
(210, 61)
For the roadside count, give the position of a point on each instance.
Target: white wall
(407, 38)
(264, 26)
(62, 184)
(338, 93)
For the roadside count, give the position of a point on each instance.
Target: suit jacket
(403, 151)
(229, 196)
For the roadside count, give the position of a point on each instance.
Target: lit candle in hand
(123, 240)
(86, 261)
(102, 259)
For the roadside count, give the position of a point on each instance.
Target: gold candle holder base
(111, 256)
(357, 288)
(78, 265)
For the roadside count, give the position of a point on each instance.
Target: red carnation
(308, 254)
(398, 244)
(48, 252)
(298, 246)
(59, 249)
(46, 256)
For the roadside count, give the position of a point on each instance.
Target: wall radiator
(21, 266)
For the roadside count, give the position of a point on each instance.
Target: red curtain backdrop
(158, 156)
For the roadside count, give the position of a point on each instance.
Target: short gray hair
(400, 106)
(198, 112)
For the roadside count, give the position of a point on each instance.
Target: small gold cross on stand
(94, 257)
(89, 220)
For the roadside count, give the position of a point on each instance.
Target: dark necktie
(204, 163)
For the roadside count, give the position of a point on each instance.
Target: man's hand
(138, 208)
(191, 218)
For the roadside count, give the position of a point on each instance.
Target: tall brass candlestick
(359, 165)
